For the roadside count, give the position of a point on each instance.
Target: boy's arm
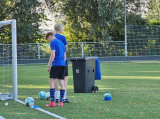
(65, 43)
(64, 56)
(66, 47)
(51, 59)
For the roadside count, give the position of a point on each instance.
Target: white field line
(42, 110)
(2, 117)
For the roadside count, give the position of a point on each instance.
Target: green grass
(134, 86)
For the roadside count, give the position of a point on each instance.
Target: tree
(153, 12)
(88, 20)
(29, 15)
(135, 12)
(96, 20)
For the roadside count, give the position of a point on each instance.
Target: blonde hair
(49, 34)
(58, 26)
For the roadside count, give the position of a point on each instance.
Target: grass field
(134, 86)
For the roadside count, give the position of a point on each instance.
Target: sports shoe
(66, 101)
(57, 100)
(60, 104)
(51, 104)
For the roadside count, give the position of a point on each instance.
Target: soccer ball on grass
(41, 95)
(47, 96)
(29, 101)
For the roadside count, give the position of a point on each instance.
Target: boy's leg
(57, 96)
(65, 85)
(62, 92)
(57, 92)
(53, 82)
(65, 100)
(61, 82)
(52, 92)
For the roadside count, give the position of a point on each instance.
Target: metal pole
(38, 52)
(125, 28)
(82, 50)
(14, 58)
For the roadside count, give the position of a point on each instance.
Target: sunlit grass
(131, 77)
(150, 71)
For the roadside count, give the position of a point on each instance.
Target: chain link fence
(143, 40)
(138, 49)
(75, 49)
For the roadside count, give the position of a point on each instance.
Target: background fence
(106, 51)
(75, 49)
(143, 43)
(143, 40)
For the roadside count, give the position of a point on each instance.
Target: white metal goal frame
(4, 96)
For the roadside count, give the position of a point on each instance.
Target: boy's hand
(48, 69)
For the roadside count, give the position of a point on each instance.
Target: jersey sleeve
(65, 41)
(64, 50)
(52, 45)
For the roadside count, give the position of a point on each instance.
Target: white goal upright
(8, 60)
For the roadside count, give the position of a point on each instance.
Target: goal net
(8, 60)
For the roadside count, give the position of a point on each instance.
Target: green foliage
(116, 30)
(155, 22)
(76, 35)
(143, 40)
(136, 20)
(84, 20)
(98, 20)
(153, 12)
(88, 20)
(29, 15)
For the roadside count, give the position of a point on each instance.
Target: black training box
(83, 74)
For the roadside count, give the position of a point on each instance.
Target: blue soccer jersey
(59, 48)
(62, 38)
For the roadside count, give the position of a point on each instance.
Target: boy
(58, 27)
(57, 59)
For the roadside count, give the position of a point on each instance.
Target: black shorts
(66, 69)
(57, 72)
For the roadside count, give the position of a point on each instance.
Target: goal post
(5, 55)
(14, 58)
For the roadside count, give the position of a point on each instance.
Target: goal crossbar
(2, 23)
